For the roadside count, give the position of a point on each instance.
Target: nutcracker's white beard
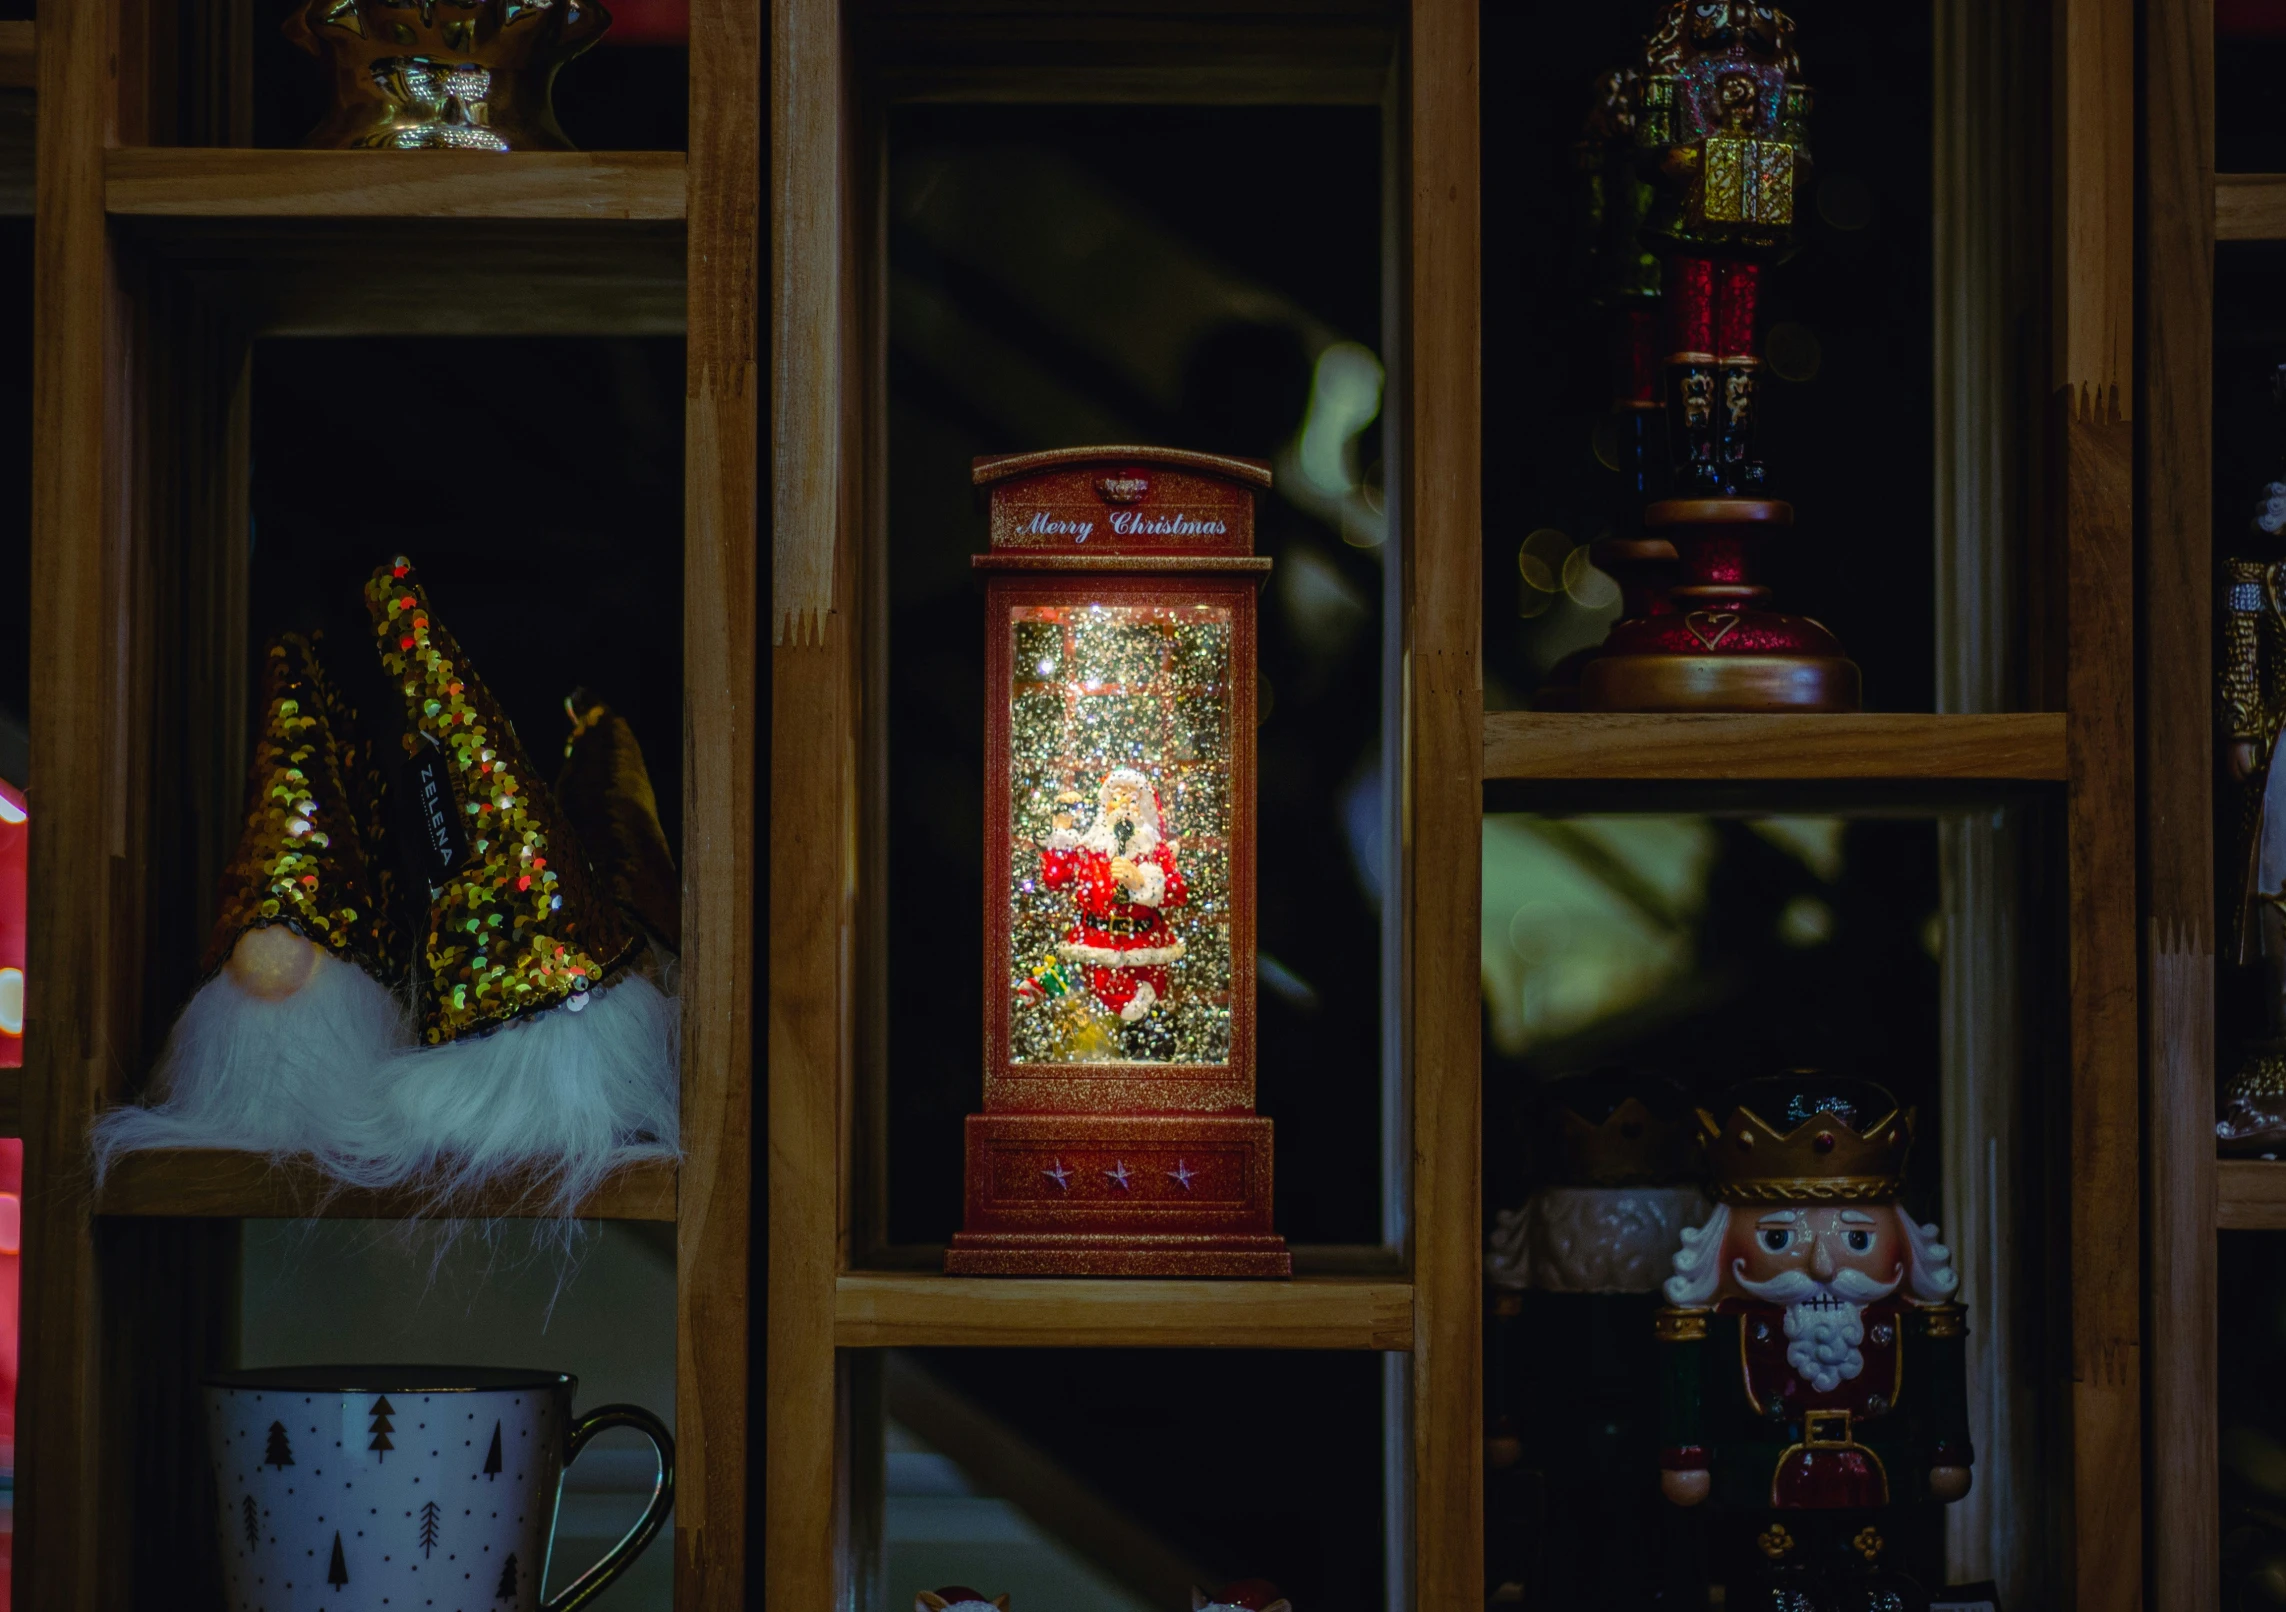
(1825, 1321)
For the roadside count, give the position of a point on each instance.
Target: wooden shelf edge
(2025, 746)
(218, 1183)
(19, 57)
(2250, 1195)
(204, 182)
(897, 1310)
(2250, 207)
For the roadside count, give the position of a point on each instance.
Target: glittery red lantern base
(1118, 1195)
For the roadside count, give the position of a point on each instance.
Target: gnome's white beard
(300, 1074)
(1825, 1321)
(560, 1099)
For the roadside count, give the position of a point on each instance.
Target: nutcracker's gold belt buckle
(1818, 1429)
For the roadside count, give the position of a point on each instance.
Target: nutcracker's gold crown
(1616, 1132)
(1827, 1157)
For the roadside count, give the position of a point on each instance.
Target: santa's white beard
(1103, 835)
(1823, 1335)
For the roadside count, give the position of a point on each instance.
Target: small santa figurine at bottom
(958, 1598)
(1247, 1595)
(1813, 1377)
(1121, 872)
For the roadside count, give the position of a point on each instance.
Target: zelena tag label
(435, 844)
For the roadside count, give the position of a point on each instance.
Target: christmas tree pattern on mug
(405, 1507)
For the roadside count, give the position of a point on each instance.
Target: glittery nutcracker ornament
(281, 1048)
(2250, 692)
(1720, 125)
(545, 1053)
(1118, 1135)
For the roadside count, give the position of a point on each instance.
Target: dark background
(536, 484)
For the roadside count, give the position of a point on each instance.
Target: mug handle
(621, 1556)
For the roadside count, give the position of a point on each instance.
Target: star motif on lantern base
(1060, 1176)
(1118, 1175)
(1181, 1175)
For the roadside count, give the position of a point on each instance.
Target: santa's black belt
(1120, 926)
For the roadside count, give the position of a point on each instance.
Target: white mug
(364, 1488)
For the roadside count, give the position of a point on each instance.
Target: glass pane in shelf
(1842, 399)
(1117, 1479)
(361, 1292)
(1206, 278)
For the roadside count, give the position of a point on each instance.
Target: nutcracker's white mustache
(1848, 1286)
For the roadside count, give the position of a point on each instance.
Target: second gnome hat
(516, 926)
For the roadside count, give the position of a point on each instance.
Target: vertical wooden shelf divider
(2180, 917)
(1444, 769)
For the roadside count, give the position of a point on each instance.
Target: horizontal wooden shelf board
(2250, 1195)
(204, 182)
(895, 1310)
(425, 276)
(211, 1183)
(2019, 746)
(2250, 207)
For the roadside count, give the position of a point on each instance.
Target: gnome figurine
(1247, 1595)
(281, 1048)
(545, 1052)
(1812, 1380)
(958, 1598)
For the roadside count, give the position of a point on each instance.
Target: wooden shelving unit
(214, 1183)
(877, 1310)
(161, 254)
(2250, 1195)
(195, 182)
(2026, 747)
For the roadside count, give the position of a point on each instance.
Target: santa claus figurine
(1247, 1595)
(1813, 1377)
(958, 1598)
(1122, 875)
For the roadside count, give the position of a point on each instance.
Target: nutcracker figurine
(1572, 1508)
(1119, 1136)
(2252, 695)
(1720, 127)
(1247, 1595)
(1812, 1380)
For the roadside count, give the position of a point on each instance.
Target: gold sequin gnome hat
(279, 1049)
(606, 792)
(545, 1056)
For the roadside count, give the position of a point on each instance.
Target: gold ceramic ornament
(454, 75)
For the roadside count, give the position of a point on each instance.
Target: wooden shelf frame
(883, 1310)
(216, 1183)
(198, 182)
(139, 505)
(2025, 747)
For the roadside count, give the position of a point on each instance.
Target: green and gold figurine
(1812, 1371)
